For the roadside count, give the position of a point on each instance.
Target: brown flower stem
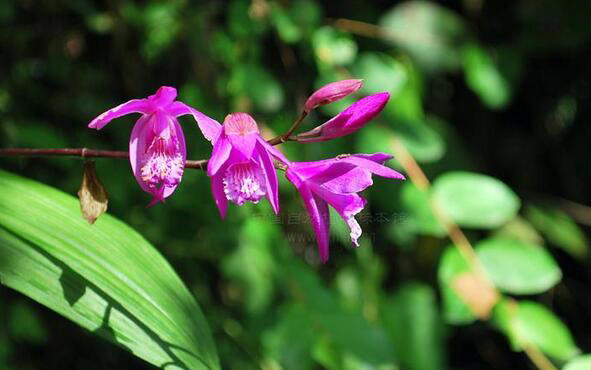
(83, 153)
(285, 137)
(64, 152)
(459, 239)
(199, 164)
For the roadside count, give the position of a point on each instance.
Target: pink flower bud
(331, 93)
(348, 121)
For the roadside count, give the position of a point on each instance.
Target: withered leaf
(92, 194)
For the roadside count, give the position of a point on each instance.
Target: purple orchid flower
(348, 121)
(241, 166)
(157, 150)
(332, 92)
(336, 182)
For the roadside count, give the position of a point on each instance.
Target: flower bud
(348, 121)
(331, 93)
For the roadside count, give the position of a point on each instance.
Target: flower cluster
(242, 167)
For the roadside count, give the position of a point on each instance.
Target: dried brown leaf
(92, 194)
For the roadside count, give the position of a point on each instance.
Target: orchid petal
(209, 127)
(220, 154)
(137, 144)
(168, 190)
(272, 184)
(319, 216)
(163, 97)
(373, 164)
(242, 131)
(243, 144)
(217, 191)
(132, 106)
(158, 196)
(346, 205)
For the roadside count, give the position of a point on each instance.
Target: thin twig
(200, 164)
(538, 358)
(457, 236)
(579, 212)
(65, 152)
(358, 27)
(285, 137)
(459, 239)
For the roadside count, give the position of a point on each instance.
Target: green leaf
(484, 77)
(517, 266)
(106, 277)
(285, 25)
(475, 200)
(413, 322)
(520, 229)
(452, 265)
(291, 340)
(333, 48)
(421, 140)
(430, 33)
(579, 363)
(417, 205)
(530, 323)
(380, 72)
(559, 228)
(255, 82)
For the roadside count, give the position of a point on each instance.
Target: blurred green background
(497, 88)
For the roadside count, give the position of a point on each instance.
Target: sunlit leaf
(332, 47)
(105, 277)
(579, 363)
(518, 267)
(475, 200)
(529, 323)
(431, 33)
(380, 72)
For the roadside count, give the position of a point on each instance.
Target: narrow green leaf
(484, 77)
(517, 266)
(475, 200)
(106, 277)
(560, 229)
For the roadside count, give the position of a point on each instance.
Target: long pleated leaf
(105, 277)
